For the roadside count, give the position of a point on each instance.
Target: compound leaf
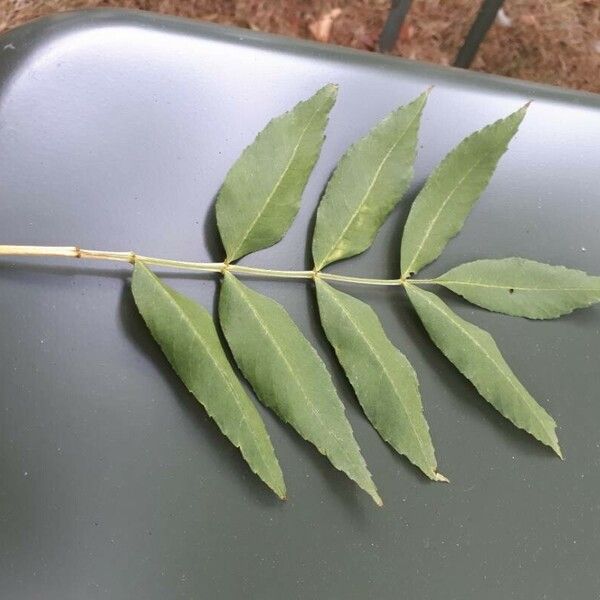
(439, 211)
(261, 193)
(186, 334)
(383, 379)
(523, 288)
(475, 354)
(289, 377)
(368, 182)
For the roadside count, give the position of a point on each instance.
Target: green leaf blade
(442, 206)
(475, 354)
(289, 377)
(383, 379)
(186, 334)
(523, 288)
(368, 182)
(261, 194)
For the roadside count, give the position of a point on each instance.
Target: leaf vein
(453, 320)
(369, 190)
(295, 377)
(387, 374)
(514, 287)
(438, 213)
(184, 318)
(278, 182)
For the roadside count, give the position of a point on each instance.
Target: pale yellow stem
(206, 267)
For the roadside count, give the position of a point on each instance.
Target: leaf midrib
(295, 377)
(551, 434)
(184, 317)
(386, 372)
(438, 213)
(278, 182)
(367, 193)
(514, 287)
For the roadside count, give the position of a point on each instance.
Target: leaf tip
(521, 112)
(371, 489)
(439, 477)
(279, 489)
(331, 89)
(553, 443)
(558, 451)
(420, 100)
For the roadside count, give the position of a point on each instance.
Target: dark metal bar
(482, 23)
(391, 29)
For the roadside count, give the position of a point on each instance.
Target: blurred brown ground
(550, 41)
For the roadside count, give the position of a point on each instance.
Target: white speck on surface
(503, 19)
(9, 47)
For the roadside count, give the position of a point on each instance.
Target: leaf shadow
(583, 318)
(310, 227)
(459, 388)
(223, 451)
(41, 271)
(45, 274)
(351, 498)
(399, 216)
(214, 245)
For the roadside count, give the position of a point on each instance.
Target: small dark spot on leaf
(511, 290)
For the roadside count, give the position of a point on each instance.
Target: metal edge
(58, 24)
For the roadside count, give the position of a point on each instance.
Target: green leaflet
(523, 288)
(261, 193)
(383, 379)
(439, 211)
(475, 354)
(368, 182)
(289, 377)
(187, 335)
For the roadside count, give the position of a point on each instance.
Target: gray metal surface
(116, 130)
